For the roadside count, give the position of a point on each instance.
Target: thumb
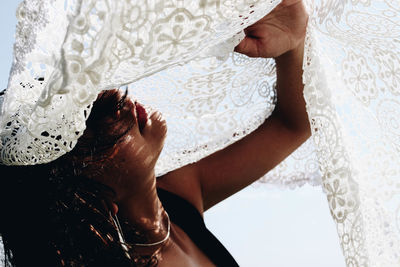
(248, 46)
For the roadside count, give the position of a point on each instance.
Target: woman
(101, 204)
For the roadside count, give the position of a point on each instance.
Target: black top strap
(189, 219)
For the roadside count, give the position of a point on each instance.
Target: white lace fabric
(176, 56)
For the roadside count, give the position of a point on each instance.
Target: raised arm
(279, 35)
(230, 170)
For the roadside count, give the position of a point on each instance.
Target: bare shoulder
(184, 182)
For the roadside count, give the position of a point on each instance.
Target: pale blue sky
(259, 226)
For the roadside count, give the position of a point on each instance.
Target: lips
(141, 116)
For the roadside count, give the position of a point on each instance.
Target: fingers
(248, 46)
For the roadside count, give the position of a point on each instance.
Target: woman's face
(136, 153)
(143, 143)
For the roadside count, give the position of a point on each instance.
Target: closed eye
(121, 102)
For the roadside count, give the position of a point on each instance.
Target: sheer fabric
(176, 56)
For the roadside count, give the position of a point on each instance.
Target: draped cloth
(176, 55)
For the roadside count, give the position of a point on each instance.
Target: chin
(162, 133)
(156, 131)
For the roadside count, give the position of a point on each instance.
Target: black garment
(189, 219)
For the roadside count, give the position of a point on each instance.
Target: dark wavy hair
(56, 215)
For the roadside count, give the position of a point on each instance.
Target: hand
(280, 31)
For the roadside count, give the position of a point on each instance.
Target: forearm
(225, 172)
(291, 107)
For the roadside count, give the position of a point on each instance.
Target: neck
(143, 210)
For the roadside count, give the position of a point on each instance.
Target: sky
(260, 226)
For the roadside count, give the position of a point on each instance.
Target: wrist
(291, 107)
(293, 55)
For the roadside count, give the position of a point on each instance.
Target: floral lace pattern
(351, 73)
(100, 45)
(176, 56)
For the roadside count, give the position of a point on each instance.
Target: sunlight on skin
(148, 160)
(286, 207)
